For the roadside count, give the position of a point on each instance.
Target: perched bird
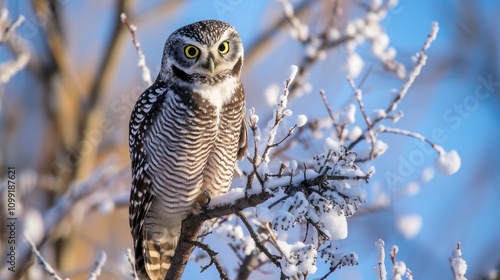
(186, 132)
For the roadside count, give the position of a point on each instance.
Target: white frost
(228, 198)
(293, 72)
(376, 4)
(346, 116)
(265, 214)
(379, 148)
(399, 269)
(354, 65)
(378, 114)
(272, 92)
(492, 273)
(395, 249)
(331, 145)
(458, 264)
(254, 119)
(292, 166)
(335, 225)
(380, 44)
(333, 33)
(34, 225)
(409, 225)
(412, 188)
(380, 270)
(107, 206)
(354, 133)
(301, 120)
(427, 175)
(10, 68)
(448, 162)
(228, 233)
(299, 258)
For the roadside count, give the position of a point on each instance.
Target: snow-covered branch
(420, 61)
(41, 261)
(381, 271)
(359, 98)
(7, 34)
(6, 30)
(446, 163)
(98, 264)
(458, 264)
(146, 74)
(399, 269)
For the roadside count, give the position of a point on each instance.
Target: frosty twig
(421, 60)
(98, 264)
(146, 74)
(10, 68)
(41, 261)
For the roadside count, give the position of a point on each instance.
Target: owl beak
(211, 65)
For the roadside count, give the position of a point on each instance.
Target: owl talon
(208, 197)
(202, 202)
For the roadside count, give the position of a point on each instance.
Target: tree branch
(258, 243)
(98, 264)
(41, 261)
(421, 60)
(213, 259)
(247, 265)
(359, 97)
(192, 225)
(146, 74)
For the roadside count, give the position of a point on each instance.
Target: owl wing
(141, 196)
(243, 142)
(141, 200)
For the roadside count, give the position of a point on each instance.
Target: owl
(186, 132)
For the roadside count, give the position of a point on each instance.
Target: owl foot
(201, 202)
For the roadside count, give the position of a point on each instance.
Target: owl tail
(158, 251)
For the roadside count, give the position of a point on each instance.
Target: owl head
(205, 52)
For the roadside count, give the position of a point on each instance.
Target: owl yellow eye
(224, 47)
(191, 51)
